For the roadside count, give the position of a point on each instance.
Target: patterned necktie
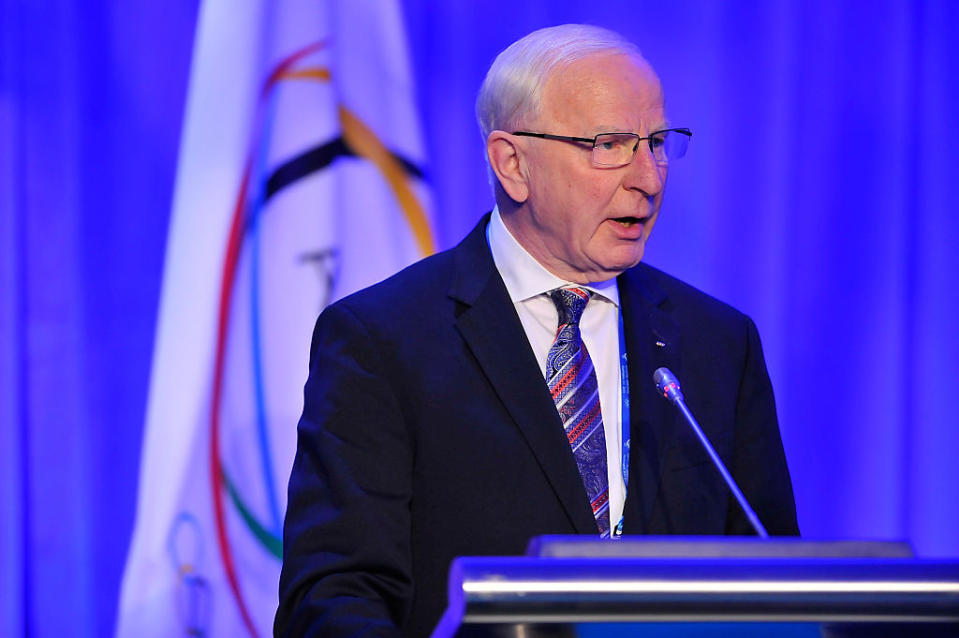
(572, 382)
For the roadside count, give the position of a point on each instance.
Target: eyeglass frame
(648, 138)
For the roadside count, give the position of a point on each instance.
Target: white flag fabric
(299, 182)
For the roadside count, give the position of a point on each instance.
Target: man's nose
(644, 174)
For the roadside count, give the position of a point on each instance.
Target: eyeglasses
(611, 150)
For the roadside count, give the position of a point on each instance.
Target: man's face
(581, 222)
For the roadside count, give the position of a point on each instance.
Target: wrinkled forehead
(601, 86)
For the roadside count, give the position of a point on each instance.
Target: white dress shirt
(528, 283)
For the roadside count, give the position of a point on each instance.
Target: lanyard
(624, 421)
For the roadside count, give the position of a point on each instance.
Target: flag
(299, 181)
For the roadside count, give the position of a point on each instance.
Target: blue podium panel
(698, 630)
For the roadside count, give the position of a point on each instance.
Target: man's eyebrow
(603, 128)
(607, 128)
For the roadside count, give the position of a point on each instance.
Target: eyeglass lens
(617, 149)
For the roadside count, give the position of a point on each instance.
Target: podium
(702, 586)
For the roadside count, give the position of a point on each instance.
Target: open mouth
(627, 221)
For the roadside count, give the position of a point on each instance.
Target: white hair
(513, 87)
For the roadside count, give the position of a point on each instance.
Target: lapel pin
(660, 344)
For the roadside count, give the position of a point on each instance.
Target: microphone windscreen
(667, 383)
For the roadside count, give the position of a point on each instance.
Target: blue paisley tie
(572, 382)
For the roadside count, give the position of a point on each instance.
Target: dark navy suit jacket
(428, 433)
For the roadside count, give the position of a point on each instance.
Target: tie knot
(570, 303)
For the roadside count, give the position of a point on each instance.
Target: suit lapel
(492, 330)
(652, 341)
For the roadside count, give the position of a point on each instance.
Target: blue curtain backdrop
(819, 196)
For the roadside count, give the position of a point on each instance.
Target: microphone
(667, 383)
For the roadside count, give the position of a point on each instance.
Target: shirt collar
(525, 277)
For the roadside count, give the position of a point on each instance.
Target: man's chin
(625, 258)
(609, 270)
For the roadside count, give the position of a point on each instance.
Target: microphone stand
(667, 383)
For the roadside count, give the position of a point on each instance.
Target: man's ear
(508, 164)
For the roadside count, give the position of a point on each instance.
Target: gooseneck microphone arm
(667, 383)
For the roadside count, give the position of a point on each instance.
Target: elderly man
(502, 389)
